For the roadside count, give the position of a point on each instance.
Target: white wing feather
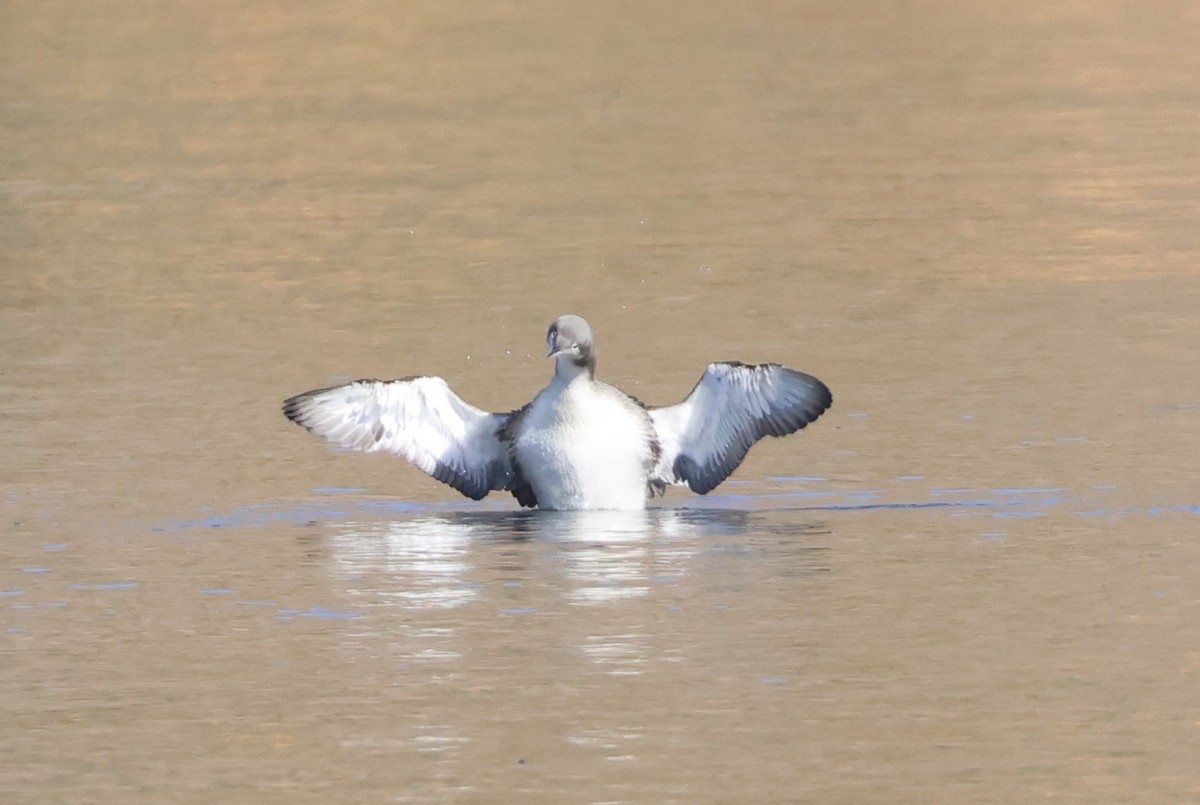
(419, 418)
(705, 437)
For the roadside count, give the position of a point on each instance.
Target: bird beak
(555, 344)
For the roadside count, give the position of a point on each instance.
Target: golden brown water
(975, 579)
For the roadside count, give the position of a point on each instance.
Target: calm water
(974, 580)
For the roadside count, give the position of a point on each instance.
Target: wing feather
(418, 418)
(705, 437)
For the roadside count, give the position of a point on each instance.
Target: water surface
(972, 580)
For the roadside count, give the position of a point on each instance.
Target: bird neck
(568, 370)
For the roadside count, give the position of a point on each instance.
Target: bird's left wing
(419, 418)
(705, 437)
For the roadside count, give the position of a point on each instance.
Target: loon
(580, 444)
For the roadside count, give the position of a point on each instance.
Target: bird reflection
(477, 574)
(424, 561)
(428, 561)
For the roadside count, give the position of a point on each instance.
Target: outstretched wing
(419, 418)
(705, 437)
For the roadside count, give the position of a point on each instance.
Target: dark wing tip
(700, 480)
(520, 488)
(800, 399)
(297, 408)
(524, 495)
(507, 433)
(465, 484)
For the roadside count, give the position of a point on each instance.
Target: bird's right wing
(419, 418)
(706, 436)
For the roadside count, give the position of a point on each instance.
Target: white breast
(585, 445)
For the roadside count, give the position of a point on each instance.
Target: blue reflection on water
(1002, 503)
(321, 613)
(116, 585)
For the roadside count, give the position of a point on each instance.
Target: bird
(580, 444)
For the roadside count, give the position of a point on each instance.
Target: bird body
(580, 443)
(585, 445)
